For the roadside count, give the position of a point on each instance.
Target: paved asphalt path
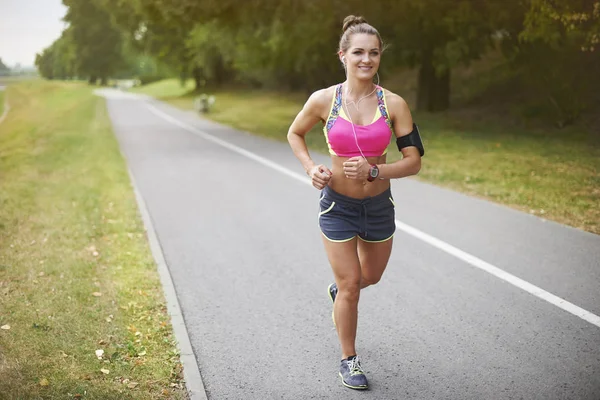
(243, 247)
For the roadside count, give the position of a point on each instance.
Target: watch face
(374, 172)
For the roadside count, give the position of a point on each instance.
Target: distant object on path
(125, 84)
(204, 103)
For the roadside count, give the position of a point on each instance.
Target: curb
(191, 372)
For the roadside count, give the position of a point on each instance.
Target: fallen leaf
(142, 353)
(132, 385)
(102, 341)
(105, 371)
(99, 354)
(96, 294)
(44, 382)
(5, 327)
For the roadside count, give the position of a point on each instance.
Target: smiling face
(363, 56)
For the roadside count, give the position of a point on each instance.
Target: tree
(434, 36)
(292, 43)
(555, 49)
(149, 30)
(4, 70)
(553, 22)
(97, 42)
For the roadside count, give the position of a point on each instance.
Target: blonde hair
(353, 25)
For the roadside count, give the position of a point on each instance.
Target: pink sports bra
(373, 139)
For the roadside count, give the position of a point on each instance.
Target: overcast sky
(27, 27)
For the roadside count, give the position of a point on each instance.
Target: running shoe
(352, 374)
(332, 290)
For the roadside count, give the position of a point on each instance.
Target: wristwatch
(373, 173)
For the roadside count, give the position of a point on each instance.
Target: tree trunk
(92, 80)
(103, 81)
(223, 73)
(433, 93)
(198, 78)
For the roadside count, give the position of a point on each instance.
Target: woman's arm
(410, 164)
(311, 114)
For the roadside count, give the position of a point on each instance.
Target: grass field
(1, 102)
(552, 174)
(82, 313)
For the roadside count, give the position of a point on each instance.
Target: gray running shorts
(341, 218)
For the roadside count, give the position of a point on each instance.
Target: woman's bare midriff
(355, 188)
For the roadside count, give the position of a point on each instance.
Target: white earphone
(344, 59)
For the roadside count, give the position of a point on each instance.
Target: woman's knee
(369, 279)
(349, 288)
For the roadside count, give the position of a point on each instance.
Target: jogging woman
(357, 215)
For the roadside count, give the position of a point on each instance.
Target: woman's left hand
(357, 168)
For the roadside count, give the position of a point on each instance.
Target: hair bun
(352, 20)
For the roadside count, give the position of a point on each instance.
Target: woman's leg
(374, 257)
(343, 257)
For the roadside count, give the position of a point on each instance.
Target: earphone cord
(354, 131)
(356, 106)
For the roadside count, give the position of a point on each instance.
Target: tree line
(291, 44)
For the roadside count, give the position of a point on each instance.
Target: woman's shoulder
(325, 93)
(322, 97)
(394, 100)
(399, 112)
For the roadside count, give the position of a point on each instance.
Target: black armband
(412, 139)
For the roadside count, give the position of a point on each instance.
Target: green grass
(76, 273)
(167, 87)
(552, 174)
(1, 102)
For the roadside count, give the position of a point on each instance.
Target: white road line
(437, 243)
